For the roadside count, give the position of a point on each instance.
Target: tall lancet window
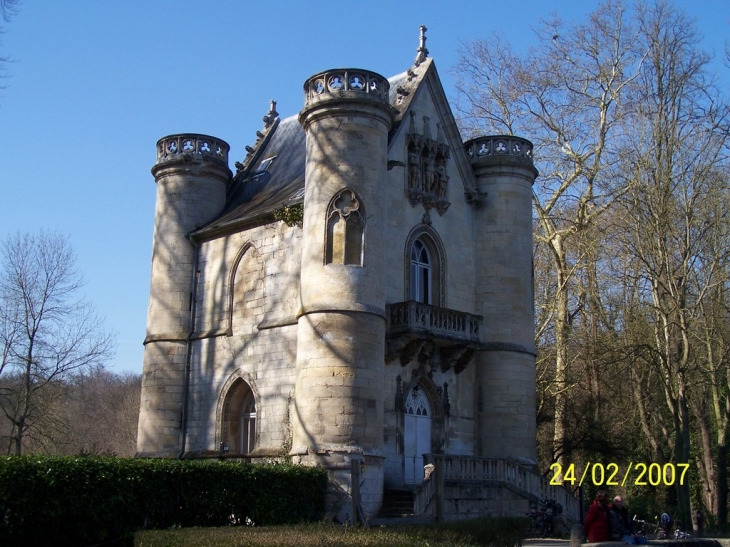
(345, 229)
(421, 290)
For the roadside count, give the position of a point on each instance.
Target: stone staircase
(398, 509)
(397, 504)
(467, 486)
(464, 478)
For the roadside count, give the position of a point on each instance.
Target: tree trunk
(721, 485)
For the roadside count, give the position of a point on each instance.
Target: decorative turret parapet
(346, 83)
(495, 148)
(187, 146)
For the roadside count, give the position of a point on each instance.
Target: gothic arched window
(421, 280)
(425, 268)
(239, 431)
(345, 230)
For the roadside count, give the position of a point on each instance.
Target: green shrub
(81, 501)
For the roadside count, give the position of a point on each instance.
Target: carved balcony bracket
(438, 338)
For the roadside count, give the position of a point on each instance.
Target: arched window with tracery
(425, 268)
(239, 419)
(345, 229)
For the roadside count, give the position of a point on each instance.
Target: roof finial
(271, 115)
(422, 51)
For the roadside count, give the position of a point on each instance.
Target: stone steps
(397, 503)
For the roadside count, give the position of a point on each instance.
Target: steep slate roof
(255, 193)
(282, 183)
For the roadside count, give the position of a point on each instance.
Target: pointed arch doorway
(239, 419)
(416, 434)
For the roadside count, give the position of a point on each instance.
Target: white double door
(416, 434)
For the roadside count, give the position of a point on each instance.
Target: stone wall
(248, 297)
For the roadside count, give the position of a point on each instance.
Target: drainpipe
(189, 348)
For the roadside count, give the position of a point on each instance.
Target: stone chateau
(360, 289)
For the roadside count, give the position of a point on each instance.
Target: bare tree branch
(48, 331)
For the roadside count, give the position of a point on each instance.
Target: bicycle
(542, 521)
(662, 529)
(645, 529)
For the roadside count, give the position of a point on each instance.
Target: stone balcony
(439, 337)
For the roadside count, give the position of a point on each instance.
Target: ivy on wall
(291, 215)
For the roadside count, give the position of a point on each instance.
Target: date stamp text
(639, 474)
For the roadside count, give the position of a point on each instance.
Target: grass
(475, 532)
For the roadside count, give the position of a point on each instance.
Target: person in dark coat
(597, 523)
(622, 527)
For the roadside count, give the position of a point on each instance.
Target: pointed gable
(422, 83)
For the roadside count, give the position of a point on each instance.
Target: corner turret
(192, 176)
(341, 326)
(505, 369)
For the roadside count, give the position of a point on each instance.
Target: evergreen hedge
(83, 501)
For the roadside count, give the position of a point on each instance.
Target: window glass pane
(420, 273)
(414, 282)
(425, 274)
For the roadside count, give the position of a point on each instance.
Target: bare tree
(566, 96)
(677, 145)
(101, 409)
(632, 258)
(49, 331)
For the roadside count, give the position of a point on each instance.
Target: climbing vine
(291, 215)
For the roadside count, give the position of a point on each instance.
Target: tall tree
(566, 96)
(48, 330)
(677, 143)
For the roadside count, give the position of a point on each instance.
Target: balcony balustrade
(416, 317)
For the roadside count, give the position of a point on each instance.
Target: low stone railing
(502, 472)
(414, 316)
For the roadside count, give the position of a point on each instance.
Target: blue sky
(95, 83)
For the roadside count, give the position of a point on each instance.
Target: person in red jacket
(598, 522)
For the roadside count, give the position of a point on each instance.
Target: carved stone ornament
(270, 122)
(427, 158)
(421, 52)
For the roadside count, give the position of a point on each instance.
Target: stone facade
(360, 289)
